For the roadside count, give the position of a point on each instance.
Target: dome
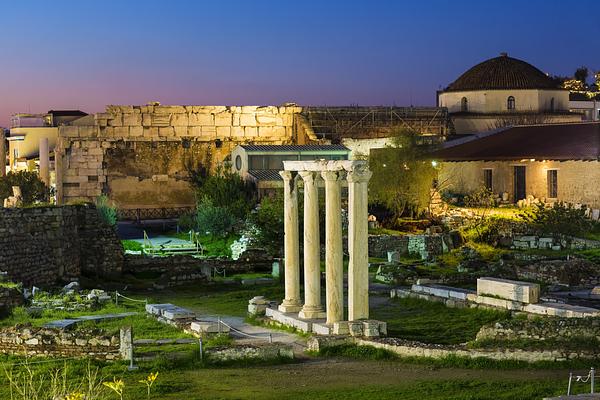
(502, 72)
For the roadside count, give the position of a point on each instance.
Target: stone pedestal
(334, 268)
(312, 248)
(291, 303)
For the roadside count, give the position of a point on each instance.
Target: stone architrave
(312, 249)
(334, 270)
(358, 266)
(291, 303)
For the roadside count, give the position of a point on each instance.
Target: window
(552, 104)
(552, 178)
(510, 103)
(464, 104)
(487, 179)
(238, 163)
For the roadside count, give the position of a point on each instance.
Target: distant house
(504, 91)
(558, 162)
(588, 107)
(261, 163)
(25, 133)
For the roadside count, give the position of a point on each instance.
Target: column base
(312, 313)
(289, 307)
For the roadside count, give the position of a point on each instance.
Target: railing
(590, 377)
(139, 214)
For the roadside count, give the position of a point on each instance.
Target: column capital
(331, 176)
(308, 175)
(287, 175)
(359, 176)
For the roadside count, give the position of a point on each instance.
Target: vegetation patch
(431, 322)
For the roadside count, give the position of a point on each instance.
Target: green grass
(431, 322)
(132, 245)
(191, 380)
(219, 299)
(214, 246)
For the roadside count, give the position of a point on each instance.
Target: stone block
(208, 327)
(355, 328)
(121, 131)
(69, 131)
(161, 119)
(156, 309)
(224, 131)
(199, 119)
(236, 131)
(321, 329)
(340, 328)
(524, 292)
(136, 131)
(146, 119)
(132, 119)
(248, 120)
(223, 119)
(176, 313)
(167, 131)
(179, 119)
(499, 303)
(250, 131)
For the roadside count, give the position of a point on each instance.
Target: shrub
(560, 219)
(33, 190)
(106, 211)
(229, 190)
(216, 220)
(269, 221)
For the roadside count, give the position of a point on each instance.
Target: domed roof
(502, 72)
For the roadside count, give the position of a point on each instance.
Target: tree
(402, 177)
(33, 190)
(268, 220)
(216, 220)
(581, 74)
(226, 189)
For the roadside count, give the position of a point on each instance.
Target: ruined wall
(31, 341)
(140, 155)
(47, 245)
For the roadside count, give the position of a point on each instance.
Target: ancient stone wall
(47, 245)
(140, 155)
(425, 246)
(9, 298)
(25, 340)
(541, 329)
(180, 270)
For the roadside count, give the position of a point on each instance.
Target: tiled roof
(502, 73)
(576, 141)
(294, 147)
(265, 174)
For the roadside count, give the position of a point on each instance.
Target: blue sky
(86, 54)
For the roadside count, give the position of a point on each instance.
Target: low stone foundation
(245, 352)
(366, 328)
(454, 297)
(541, 329)
(426, 246)
(24, 340)
(182, 269)
(407, 348)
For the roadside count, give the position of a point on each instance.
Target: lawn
(343, 379)
(431, 322)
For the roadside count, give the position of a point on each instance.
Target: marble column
(312, 308)
(44, 161)
(334, 267)
(291, 303)
(358, 245)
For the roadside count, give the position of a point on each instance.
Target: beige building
(504, 91)
(556, 162)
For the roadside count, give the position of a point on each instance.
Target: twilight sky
(86, 54)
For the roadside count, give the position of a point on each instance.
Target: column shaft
(291, 303)
(312, 249)
(358, 245)
(44, 161)
(334, 268)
